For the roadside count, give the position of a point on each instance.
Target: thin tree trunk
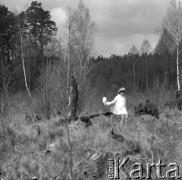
(12, 53)
(165, 79)
(8, 52)
(143, 77)
(146, 73)
(29, 73)
(24, 72)
(165, 75)
(68, 58)
(42, 51)
(59, 50)
(70, 151)
(81, 61)
(177, 64)
(68, 73)
(3, 81)
(23, 61)
(138, 76)
(134, 75)
(48, 104)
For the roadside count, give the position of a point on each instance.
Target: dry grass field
(53, 149)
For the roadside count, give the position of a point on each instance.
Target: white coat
(118, 105)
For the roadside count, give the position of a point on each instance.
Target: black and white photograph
(90, 89)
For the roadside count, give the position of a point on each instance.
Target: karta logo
(118, 169)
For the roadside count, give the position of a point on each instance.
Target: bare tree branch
(173, 23)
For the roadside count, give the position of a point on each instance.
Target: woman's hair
(121, 90)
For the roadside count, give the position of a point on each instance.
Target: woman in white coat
(118, 105)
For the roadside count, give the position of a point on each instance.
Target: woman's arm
(110, 103)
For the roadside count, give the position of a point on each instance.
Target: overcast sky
(119, 23)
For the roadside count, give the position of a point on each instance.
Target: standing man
(118, 105)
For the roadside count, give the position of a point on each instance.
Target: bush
(51, 91)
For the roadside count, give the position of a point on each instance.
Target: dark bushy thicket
(147, 108)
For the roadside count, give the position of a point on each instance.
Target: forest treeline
(32, 56)
(130, 71)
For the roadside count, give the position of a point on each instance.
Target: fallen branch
(85, 119)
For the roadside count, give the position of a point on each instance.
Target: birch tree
(172, 22)
(21, 33)
(80, 44)
(83, 33)
(69, 44)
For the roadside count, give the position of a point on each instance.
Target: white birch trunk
(177, 64)
(68, 58)
(23, 61)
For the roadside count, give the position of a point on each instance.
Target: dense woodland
(137, 70)
(31, 35)
(28, 33)
(130, 71)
